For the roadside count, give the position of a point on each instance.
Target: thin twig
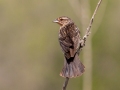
(65, 83)
(103, 10)
(84, 39)
(91, 21)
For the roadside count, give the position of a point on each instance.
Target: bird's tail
(72, 69)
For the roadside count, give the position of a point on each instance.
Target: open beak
(55, 21)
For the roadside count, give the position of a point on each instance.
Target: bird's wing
(69, 41)
(65, 42)
(75, 37)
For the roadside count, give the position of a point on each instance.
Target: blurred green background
(30, 55)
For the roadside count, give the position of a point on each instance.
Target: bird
(70, 42)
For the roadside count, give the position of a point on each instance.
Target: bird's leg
(82, 43)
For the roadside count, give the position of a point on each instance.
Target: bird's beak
(55, 21)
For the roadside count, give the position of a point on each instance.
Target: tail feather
(72, 69)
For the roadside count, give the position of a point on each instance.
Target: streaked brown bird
(70, 42)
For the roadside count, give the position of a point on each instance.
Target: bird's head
(62, 21)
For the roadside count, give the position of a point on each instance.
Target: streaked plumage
(69, 39)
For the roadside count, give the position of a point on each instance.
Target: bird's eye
(61, 19)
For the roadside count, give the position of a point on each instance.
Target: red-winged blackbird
(70, 42)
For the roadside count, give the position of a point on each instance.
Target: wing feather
(69, 38)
